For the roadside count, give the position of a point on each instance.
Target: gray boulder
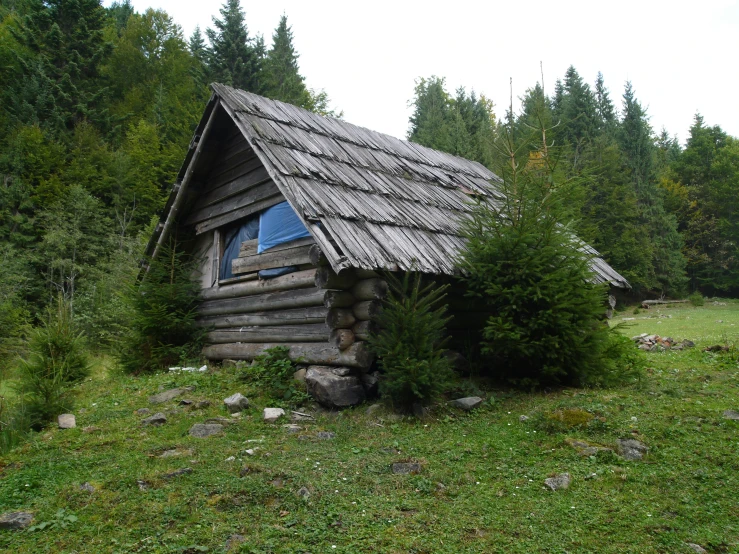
(66, 421)
(157, 419)
(270, 415)
(202, 430)
(467, 404)
(334, 387)
(236, 403)
(731, 414)
(558, 481)
(15, 520)
(631, 449)
(370, 382)
(168, 395)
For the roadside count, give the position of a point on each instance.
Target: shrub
(410, 344)
(532, 275)
(163, 330)
(56, 359)
(696, 299)
(273, 373)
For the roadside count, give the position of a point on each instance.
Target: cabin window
(272, 227)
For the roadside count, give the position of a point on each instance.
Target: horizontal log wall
(314, 332)
(357, 355)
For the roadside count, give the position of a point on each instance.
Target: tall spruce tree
(637, 146)
(235, 58)
(282, 73)
(607, 119)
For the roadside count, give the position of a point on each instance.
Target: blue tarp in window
(248, 230)
(274, 226)
(279, 224)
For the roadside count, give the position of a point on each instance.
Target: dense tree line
(664, 215)
(97, 108)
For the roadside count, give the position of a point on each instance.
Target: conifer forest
(98, 106)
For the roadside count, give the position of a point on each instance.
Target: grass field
(481, 487)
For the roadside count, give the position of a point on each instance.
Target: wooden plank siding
(236, 187)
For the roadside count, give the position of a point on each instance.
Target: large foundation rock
(334, 387)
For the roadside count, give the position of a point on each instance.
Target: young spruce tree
(530, 273)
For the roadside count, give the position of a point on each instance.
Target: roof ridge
(418, 149)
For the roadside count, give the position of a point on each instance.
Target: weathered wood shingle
(380, 202)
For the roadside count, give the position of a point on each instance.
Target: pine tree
(282, 73)
(63, 85)
(607, 119)
(236, 59)
(578, 114)
(637, 146)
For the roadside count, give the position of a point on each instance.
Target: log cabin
(296, 216)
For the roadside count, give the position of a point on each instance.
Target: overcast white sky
(681, 56)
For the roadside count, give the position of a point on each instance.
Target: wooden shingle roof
(370, 200)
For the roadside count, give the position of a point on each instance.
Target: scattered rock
(175, 452)
(304, 493)
(250, 451)
(202, 430)
(157, 419)
(168, 395)
(731, 414)
(185, 402)
(292, 428)
(371, 410)
(631, 449)
(457, 361)
(419, 410)
(87, 487)
(270, 415)
(468, 403)
(697, 548)
(523, 418)
(235, 539)
(201, 405)
(143, 485)
(325, 435)
(91, 429)
(655, 343)
(143, 411)
(334, 387)
(177, 473)
(301, 416)
(236, 403)
(716, 348)
(230, 364)
(406, 468)
(558, 481)
(299, 375)
(66, 421)
(15, 520)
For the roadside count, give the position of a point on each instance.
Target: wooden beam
(363, 329)
(326, 278)
(317, 257)
(298, 280)
(338, 299)
(357, 355)
(295, 316)
(370, 289)
(366, 310)
(340, 318)
(268, 260)
(246, 211)
(341, 338)
(240, 199)
(249, 248)
(289, 299)
(237, 185)
(181, 193)
(312, 332)
(284, 246)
